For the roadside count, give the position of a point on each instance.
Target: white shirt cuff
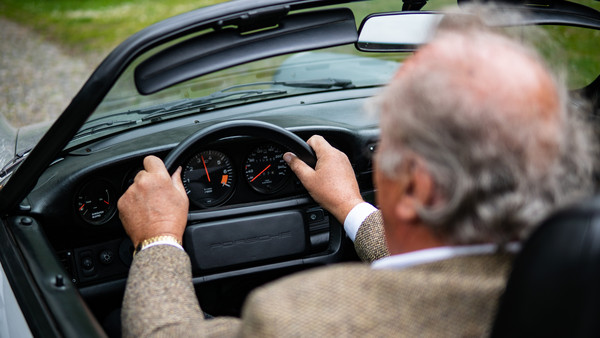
(162, 243)
(356, 217)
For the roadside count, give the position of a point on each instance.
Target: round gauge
(265, 169)
(96, 202)
(208, 178)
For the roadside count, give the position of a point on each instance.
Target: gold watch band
(162, 238)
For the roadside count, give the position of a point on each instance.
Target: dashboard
(250, 219)
(232, 172)
(248, 212)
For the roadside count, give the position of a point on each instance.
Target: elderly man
(477, 145)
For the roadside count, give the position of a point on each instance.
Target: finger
(319, 144)
(121, 203)
(176, 178)
(301, 169)
(153, 164)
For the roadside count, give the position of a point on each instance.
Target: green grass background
(97, 26)
(100, 24)
(93, 25)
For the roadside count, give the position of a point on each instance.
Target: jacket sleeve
(370, 242)
(160, 299)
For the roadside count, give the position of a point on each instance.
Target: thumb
(176, 179)
(301, 169)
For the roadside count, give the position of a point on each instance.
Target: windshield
(342, 68)
(332, 63)
(338, 68)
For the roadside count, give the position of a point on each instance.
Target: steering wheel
(204, 242)
(260, 129)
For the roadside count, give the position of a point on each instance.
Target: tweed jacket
(453, 297)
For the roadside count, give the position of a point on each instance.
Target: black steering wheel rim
(254, 128)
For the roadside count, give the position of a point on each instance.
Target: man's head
(478, 142)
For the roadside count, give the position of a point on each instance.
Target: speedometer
(208, 178)
(265, 169)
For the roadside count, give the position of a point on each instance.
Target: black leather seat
(554, 288)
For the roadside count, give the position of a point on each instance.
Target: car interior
(223, 94)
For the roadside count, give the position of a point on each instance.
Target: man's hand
(332, 183)
(155, 204)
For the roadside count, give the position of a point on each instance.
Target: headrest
(554, 287)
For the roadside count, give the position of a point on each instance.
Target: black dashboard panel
(260, 232)
(263, 229)
(77, 198)
(218, 244)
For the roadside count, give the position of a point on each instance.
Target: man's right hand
(332, 183)
(155, 204)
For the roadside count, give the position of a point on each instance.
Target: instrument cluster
(209, 176)
(223, 174)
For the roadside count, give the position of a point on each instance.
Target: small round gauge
(96, 202)
(208, 178)
(265, 169)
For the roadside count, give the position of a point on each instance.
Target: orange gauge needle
(260, 173)
(206, 170)
(106, 202)
(224, 179)
(83, 205)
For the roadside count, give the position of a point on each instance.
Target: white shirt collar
(431, 255)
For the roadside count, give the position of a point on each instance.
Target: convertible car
(223, 92)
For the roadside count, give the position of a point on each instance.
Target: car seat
(554, 287)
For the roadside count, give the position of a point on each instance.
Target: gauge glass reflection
(265, 169)
(208, 178)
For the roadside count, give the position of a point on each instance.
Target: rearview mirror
(397, 32)
(406, 31)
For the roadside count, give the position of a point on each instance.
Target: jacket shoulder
(456, 297)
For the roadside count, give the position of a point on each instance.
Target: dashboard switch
(106, 256)
(87, 264)
(315, 215)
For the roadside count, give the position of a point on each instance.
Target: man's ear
(418, 190)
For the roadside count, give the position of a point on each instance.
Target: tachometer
(96, 202)
(208, 178)
(265, 169)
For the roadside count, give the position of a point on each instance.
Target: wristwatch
(162, 239)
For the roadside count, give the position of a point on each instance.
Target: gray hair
(498, 174)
